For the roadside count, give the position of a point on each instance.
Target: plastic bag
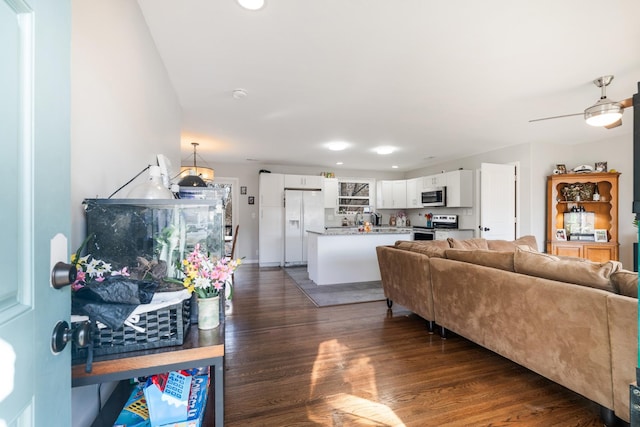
(113, 300)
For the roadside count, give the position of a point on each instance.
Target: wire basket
(159, 328)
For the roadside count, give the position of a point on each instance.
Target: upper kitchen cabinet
(330, 190)
(414, 193)
(459, 188)
(306, 182)
(439, 180)
(582, 215)
(391, 194)
(272, 189)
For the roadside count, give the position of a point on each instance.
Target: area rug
(339, 294)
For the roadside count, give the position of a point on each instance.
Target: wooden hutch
(575, 192)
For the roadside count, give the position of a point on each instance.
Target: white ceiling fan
(605, 112)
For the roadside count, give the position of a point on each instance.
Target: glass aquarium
(153, 234)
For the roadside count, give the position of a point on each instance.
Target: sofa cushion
(432, 248)
(505, 245)
(467, 243)
(580, 272)
(625, 283)
(495, 259)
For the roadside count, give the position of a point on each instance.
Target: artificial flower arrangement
(205, 275)
(91, 269)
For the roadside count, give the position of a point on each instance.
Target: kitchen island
(346, 255)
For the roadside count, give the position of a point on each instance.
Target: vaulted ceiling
(436, 80)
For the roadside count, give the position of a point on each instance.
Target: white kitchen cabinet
(270, 236)
(271, 189)
(271, 220)
(303, 182)
(459, 189)
(384, 195)
(414, 193)
(391, 194)
(330, 190)
(439, 180)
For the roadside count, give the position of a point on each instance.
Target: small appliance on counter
(376, 218)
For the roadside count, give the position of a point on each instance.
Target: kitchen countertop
(347, 231)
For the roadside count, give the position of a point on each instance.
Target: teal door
(35, 383)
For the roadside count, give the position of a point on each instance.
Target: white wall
(124, 111)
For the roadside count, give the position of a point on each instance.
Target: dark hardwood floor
(289, 363)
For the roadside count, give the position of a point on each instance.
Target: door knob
(63, 274)
(62, 334)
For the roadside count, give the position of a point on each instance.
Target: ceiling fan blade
(556, 117)
(614, 124)
(626, 103)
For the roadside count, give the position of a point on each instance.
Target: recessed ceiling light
(339, 163)
(251, 4)
(239, 93)
(337, 145)
(384, 149)
(394, 167)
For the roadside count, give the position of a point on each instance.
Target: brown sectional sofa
(561, 317)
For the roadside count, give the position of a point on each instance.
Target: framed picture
(251, 200)
(561, 234)
(561, 168)
(601, 166)
(601, 235)
(243, 190)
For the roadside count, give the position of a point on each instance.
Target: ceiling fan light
(252, 4)
(603, 113)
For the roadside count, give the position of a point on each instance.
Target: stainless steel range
(445, 221)
(438, 222)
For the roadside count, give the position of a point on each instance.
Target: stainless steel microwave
(436, 196)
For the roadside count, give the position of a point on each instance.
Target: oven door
(423, 234)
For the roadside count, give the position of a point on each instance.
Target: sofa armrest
(406, 279)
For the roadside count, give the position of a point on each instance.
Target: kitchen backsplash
(466, 216)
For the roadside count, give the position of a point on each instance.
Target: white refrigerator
(304, 210)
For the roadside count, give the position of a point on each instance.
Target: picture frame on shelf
(561, 168)
(600, 235)
(601, 167)
(561, 234)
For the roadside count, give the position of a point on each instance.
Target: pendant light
(193, 175)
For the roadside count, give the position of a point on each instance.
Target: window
(354, 195)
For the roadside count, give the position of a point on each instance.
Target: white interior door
(35, 385)
(497, 201)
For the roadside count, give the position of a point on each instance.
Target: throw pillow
(505, 245)
(582, 272)
(502, 260)
(625, 282)
(467, 243)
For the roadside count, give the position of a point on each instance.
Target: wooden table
(200, 348)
